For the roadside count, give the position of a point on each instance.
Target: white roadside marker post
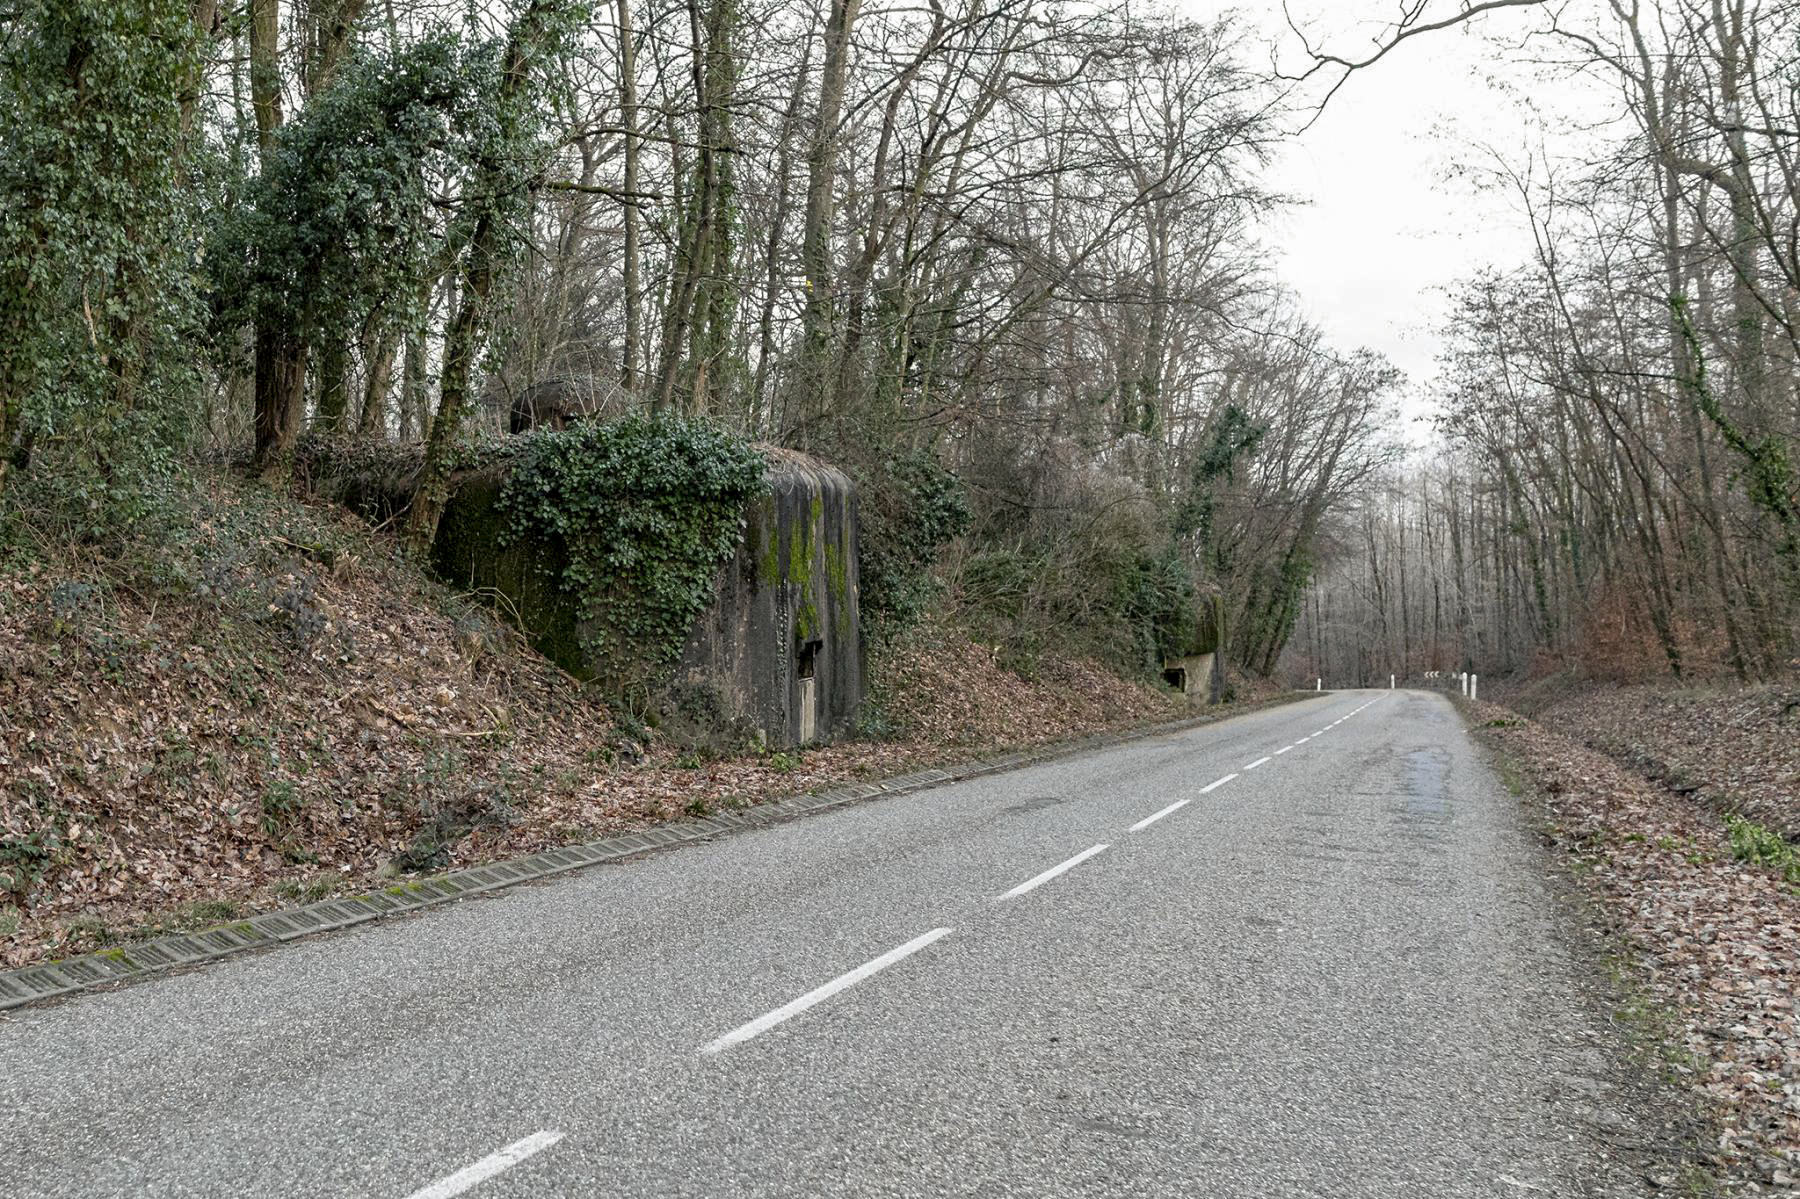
(1319, 685)
(1390, 682)
(1474, 682)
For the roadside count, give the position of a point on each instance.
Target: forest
(860, 525)
(1614, 479)
(1003, 262)
(1000, 261)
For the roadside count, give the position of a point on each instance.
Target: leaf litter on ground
(301, 714)
(1717, 938)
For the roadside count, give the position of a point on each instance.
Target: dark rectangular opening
(1176, 677)
(807, 660)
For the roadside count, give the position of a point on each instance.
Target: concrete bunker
(782, 643)
(777, 654)
(1192, 675)
(1194, 668)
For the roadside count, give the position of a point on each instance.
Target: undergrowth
(1753, 843)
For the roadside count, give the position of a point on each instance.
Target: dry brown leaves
(159, 752)
(947, 691)
(156, 752)
(945, 697)
(1719, 940)
(1736, 749)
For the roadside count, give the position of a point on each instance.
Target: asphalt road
(1340, 972)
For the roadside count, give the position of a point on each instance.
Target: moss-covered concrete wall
(1200, 665)
(782, 645)
(522, 578)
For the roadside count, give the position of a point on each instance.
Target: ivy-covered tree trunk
(716, 293)
(334, 400)
(13, 450)
(696, 325)
(1768, 476)
(97, 311)
(413, 398)
(496, 191)
(280, 367)
(279, 360)
(208, 26)
(281, 353)
(819, 318)
(378, 377)
(265, 72)
(330, 28)
(460, 348)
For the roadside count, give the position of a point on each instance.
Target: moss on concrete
(837, 583)
(767, 555)
(522, 577)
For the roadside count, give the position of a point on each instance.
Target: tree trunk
(772, 261)
(334, 400)
(482, 263)
(330, 29)
(628, 108)
(819, 316)
(372, 420)
(280, 395)
(265, 72)
(206, 20)
(412, 388)
(695, 323)
(710, 335)
(280, 357)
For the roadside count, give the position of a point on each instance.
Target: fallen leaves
(213, 742)
(1736, 749)
(307, 712)
(1718, 940)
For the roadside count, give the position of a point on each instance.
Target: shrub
(335, 232)
(910, 506)
(1751, 842)
(1086, 568)
(98, 311)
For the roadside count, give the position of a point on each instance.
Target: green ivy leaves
(912, 507)
(344, 220)
(98, 308)
(649, 508)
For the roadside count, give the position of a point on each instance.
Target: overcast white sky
(1383, 231)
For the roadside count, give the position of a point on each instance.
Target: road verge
(1708, 943)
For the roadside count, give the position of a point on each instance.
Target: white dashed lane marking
(1032, 884)
(487, 1167)
(813, 998)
